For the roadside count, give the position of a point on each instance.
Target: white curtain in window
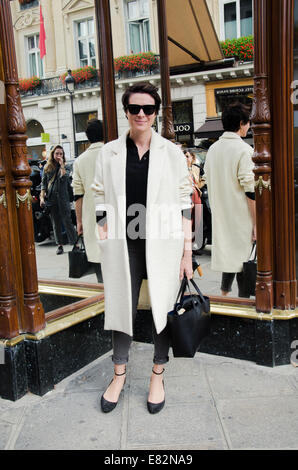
(135, 37)
(230, 19)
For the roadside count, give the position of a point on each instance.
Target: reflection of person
(230, 180)
(82, 179)
(42, 162)
(142, 168)
(194, 176)
(194, 170)
(54, 187)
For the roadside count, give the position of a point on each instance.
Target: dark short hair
(143, 87)
(233, 115)
(94, 131)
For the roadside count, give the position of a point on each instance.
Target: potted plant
(241, 48)
(143, 62)
(26, 84)
(82, 74)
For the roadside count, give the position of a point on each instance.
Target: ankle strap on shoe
(157, 373)
(118, 375)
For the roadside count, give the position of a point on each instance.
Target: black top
(136, 191)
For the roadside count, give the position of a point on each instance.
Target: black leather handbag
(189, 321)
(79, 265)
(250, 273)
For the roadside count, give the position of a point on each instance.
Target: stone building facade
(71, 43)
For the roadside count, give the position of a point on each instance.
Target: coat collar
(156, 162)
(230, 135)
(96, 145)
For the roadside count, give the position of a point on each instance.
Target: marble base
(36, 366)
(268, 343)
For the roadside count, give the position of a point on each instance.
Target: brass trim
(12, 342)
(23, 198)
(260, 184)
(71, 291)
(67, 321)
(60, 324)
(3, 199)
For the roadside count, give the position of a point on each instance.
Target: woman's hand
(186, 265)
(103, 231)
(254, 234)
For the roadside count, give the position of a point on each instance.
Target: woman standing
(197, 184)
(54, 187)
(142, 187)
(230, 180)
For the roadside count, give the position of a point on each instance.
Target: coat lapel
(118, 165)
(156, 164)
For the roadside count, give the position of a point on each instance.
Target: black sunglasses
(136, 108)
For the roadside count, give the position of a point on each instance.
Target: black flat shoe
(59, 250)
(108, 406)
(154, 408)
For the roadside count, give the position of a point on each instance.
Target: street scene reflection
(63, 94)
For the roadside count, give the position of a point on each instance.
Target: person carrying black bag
(82, 179)
(55, 195)
(141, 174)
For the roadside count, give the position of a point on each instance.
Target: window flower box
(82, 74)
(241, 48)
(26, 84)
(142, 63)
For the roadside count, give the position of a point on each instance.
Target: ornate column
(32, 314)
(261, 125)
(9, 326)
(167, 116)
(107, 76)
(281, 76)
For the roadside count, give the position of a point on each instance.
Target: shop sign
(45, 138)
(183, 128)
(240, 90)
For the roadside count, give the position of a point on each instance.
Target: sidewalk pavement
(212, 403)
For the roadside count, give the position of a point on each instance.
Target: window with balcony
(35, 65)
(138, 28)
(236, 18)
(25, 4)
(86, 43)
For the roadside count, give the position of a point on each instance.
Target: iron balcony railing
(54, 85)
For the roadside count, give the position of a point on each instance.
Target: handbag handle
(254, 247)
(79, 238)
(185, 284)
(182, 289)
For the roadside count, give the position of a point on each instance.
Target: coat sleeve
(98, 186)
(77, 183)
(185, 187)
(44, 182)
(245, 171)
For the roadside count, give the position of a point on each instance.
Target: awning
(211, 129)
(191, 34)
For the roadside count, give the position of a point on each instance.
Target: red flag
(42, 37)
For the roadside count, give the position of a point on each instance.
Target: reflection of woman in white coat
(230, 179)
(142, 187)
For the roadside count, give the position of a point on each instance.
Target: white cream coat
(229, 174)
(168, 192)
(82, 179)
